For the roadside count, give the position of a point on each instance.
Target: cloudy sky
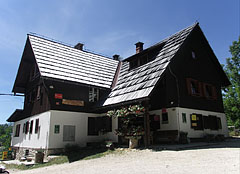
(108, 27)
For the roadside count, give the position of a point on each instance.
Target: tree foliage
(5, 135)
(231, 95)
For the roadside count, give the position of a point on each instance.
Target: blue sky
(108, 27)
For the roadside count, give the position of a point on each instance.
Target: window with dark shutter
(31, 127)
(165, 118)
(209, 91)
(36, 126)
(194, 87)
(68, 133)
(17, 130)
(154, 122)
(92, 126)
(27, 127)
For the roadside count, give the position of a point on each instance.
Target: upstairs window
(194, 87)
(93, 94)
(209, 91)
(17, 130)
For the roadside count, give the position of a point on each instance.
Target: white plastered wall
(34, 140)
(186, 127)
(80, 121)
(175, 122)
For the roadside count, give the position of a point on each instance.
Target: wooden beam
(146, 125)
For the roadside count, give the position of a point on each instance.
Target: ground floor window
(57, 129)
(200, 122)
(68, 133)
(99, 124)
(165, 118)
(184, 118)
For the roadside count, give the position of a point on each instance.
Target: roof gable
(66, 63)
(138, 83)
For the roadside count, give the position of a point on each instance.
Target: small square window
(164, 118)
(57, 129)
(184, 118)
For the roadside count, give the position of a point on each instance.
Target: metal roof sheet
(66, 63)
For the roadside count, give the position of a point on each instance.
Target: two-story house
(68, 91)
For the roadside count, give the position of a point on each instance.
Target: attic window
(139, 61)
(194, 55)
(93, 94)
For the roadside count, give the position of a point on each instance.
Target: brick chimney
(115, 57)
(79, 46)
(139, 47)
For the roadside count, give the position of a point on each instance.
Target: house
(69, 90)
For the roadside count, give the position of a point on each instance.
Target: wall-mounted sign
(194, 124)
(194, 117)
(58, 96)
(73, 102)
(164, 110)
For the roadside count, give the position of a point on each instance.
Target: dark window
(68, 133)
(196, 121)
(154, 122)
(194, 55)
(194, 87)
(164, 118)
(219, 123)
(213, 122)
(24, 127)
(206, 122)
(209, 91)
(31, 127)
(92, 126)
(17, 130)
(143, 60)
(36, 126)
(38, 92)
(93, 94)
(27, 127)
(57, 129)
(184, 118)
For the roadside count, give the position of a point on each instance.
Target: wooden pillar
(146, 125)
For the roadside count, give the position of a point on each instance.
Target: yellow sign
(194, 124)
(194, 117)
(73, 102)
(4, 155)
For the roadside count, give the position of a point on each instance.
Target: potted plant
(129, 129)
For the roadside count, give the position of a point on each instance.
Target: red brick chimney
(79, 46)
(139, 47)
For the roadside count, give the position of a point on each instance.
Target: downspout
(178, 96)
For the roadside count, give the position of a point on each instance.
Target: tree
(5, 135)
(231, 95)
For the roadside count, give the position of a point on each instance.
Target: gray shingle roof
(66, 63)
(139, 82)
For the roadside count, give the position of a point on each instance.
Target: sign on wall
(73, 102)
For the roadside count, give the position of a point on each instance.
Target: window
(57, 129)
(196, 121)
(24, 126)
(93, 94)
(194, 55)
(219, 123)
(92, 126)
(31, 127)
(133, 64)
(27, 127)
(38, 92)
(96, 124)
(164, 118)
(194, 87)
(17, 130)
(36, 126)
(154, 122)
(68, 133)
(209, 91)
(184, 118)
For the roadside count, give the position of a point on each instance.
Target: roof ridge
(65, 44)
